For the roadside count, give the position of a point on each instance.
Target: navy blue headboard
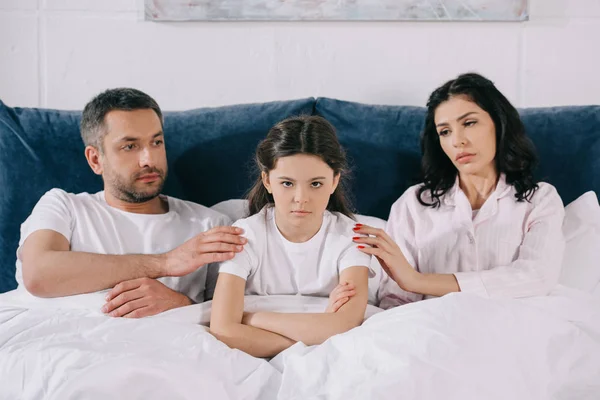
(210, 152)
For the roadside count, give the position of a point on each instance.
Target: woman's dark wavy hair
(515, 153)
(312, 135)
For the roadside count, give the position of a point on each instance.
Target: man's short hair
(126, 99)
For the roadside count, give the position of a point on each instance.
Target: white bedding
(459, 346)
(78, 353)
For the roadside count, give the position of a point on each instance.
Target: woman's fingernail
(358, 224)
(104, 309)
(355, 238)
(356, 228)
(361, 247)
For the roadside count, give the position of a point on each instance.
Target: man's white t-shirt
(272, 265)
(91, 225)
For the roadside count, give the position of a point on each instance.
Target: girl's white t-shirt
(272, 265)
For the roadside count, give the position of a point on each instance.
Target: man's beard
(125, 190)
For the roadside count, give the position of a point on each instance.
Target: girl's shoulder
(254, 225)
(338, 222)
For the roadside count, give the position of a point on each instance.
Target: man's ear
(92, 155)
(266, 183)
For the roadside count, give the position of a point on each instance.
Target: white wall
(59, 53)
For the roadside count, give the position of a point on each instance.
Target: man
(128, 235)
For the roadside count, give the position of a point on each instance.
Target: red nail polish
(355, 238)
(361, 247)
(358, 224)
(356, 228)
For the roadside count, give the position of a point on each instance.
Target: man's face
(133, 161)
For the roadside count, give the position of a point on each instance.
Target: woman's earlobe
(336, 182)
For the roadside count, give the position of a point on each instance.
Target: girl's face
(467, 135)
(301, 185)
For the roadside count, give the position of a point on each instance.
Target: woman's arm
(534, 272)
(394, 263)
(314, 329)
(226, 321)
(401, 228)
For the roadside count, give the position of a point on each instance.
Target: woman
(299, 242)
(479, 222)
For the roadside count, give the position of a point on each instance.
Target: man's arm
(312, 329)
(142, 297)
(50, 269)
(226, 321)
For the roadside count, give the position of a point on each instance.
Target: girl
(479, 222)
(299, 242)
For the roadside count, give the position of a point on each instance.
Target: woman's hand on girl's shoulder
(378, 243)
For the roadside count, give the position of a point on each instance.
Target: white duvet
(456, 347)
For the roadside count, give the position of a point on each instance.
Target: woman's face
(467, 135)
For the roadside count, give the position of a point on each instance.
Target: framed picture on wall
(336, 10)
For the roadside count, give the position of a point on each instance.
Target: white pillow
(596, 293)
(581, 228)
(234, 209)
